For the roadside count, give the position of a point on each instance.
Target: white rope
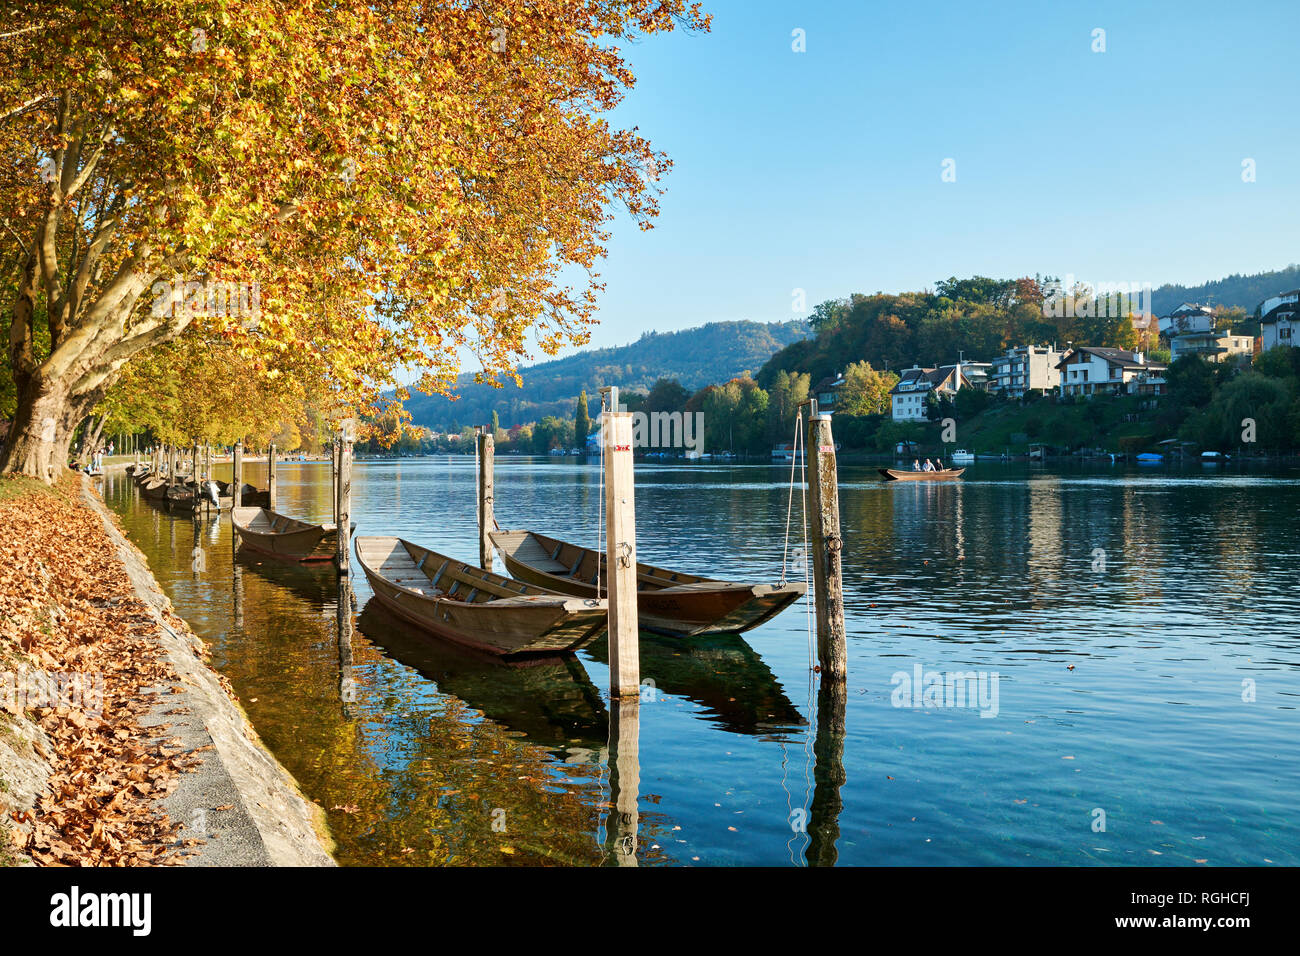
(600, 504)
(789, 504)
(807, 598)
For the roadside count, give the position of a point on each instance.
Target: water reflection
(549, 701)
(722, 673)
(1122, 678)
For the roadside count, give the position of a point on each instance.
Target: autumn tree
(865, 391)
(373, 185)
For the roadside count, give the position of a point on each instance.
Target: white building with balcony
(907, 399)
(1190, 331)
(1279, 320)
(1096, 371)
(1026, 369)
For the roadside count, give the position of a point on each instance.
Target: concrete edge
(272, 823)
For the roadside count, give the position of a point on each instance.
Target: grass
(13, 487)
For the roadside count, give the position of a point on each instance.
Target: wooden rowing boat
(897, 474)
(155, 488)
(261, 529)
(668, 602)
(464, 604)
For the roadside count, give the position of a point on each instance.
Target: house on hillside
(1092, 371)
(907, 399)
(827, 392)
(1030, 368)
(1279, 318)
(1190, 331)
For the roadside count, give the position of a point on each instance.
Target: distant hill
(1246, 292)
(695, 357)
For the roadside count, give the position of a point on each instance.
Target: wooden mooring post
(828, 584)
(336, 447)
(486, 483)
(270, 475)
(343, 495)
(237, 477)
(620, 549)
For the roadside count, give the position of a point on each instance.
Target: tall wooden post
(270, 474)
(486, 482)
(335, 448)
(237, 478)
(620, 553)
(346, 437)
(824, 503)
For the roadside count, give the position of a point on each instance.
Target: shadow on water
(720, 672)
(550, 701)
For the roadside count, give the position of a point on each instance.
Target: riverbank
(119, 745)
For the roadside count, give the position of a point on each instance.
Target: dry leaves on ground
(66, 601)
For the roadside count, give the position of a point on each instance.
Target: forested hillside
(1234, 291)
(974, 319)
(694, 357)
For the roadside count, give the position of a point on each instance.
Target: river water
(1134, 638)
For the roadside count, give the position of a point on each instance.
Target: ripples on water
(1164, 590)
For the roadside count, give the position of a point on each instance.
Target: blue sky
(821, 170)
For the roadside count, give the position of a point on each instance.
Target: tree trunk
(38, 438)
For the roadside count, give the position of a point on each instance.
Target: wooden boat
(898, 474)
(668, 602)
(271, 533)
(464, 604)
(250, 497)
(155, 488)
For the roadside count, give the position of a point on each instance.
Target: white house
(907, 398)
(1279, 319)
(1092, 371)
(1026, 369)
(1190, 331)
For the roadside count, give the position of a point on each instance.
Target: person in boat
(929, 465)
(916, 464)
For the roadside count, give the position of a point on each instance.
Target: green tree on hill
(581, 422)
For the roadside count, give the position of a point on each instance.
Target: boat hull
(299, 541)
(531, 623)
(896, 474)
(699, 606)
